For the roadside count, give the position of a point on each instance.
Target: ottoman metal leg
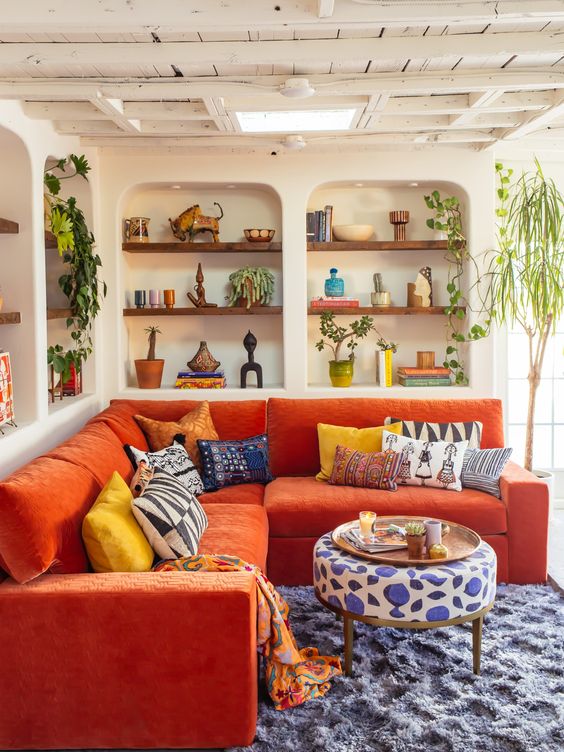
(349, 635)
(477, 643)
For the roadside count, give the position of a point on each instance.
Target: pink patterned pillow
(365, 469)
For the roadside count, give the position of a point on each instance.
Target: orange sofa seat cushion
(42, 506)
(236, 530)
(232, 419)
(96, 449)
(292, 423)
(303, 507)
(244, 493)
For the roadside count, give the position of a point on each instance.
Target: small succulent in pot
(415, 538)
(415, 528)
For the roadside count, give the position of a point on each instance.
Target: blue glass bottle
(334, 286)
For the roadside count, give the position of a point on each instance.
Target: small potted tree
(150, 370)
(333, 336)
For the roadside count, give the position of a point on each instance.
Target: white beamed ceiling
(135, 73)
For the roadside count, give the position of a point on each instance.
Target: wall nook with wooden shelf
(166, 263)
(10, 318)
(378, 245)
(7, 227)
(381, 311)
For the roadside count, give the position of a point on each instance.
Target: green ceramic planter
(341, 372)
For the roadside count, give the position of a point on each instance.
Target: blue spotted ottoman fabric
(406, 594)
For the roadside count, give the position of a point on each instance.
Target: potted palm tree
(526, 275)
(150, 369)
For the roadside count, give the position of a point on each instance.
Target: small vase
(334, 286)
(203, 360)
(341, 372)
(415, 545)
(380, 298)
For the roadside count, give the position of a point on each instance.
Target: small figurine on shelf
(200, 300)
(203, 361)
(250, 343)
(136, 229)
(192, 221)
(379, 297)
(420, 292)
(334, 286)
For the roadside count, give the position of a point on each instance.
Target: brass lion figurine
(192, 221)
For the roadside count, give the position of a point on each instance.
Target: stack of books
(200, 380)
(424, 376)
(319, 225)
(323, 301)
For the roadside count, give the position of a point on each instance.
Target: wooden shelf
(179, 247)
(379, 245)
(7, 227)
(10, 318)
(219, 311)
(58, 313)
(381, 311)
(50, 240)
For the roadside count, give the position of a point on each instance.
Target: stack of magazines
(383, 539)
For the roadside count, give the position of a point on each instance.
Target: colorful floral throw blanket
(293, 676)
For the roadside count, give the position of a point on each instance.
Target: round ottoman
(411, 597)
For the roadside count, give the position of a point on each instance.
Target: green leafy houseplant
(253, 284)
(333, 336)
(447, 218)
(81, 285)
(525, 277)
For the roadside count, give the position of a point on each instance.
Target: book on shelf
(424, 382)
(208, 383)
(423, 372)
(328, 302)
(200, 374)
(319, 225)
(384, 367)
(328, 234)
(310, 227)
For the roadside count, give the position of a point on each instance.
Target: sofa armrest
(526, 499)
(156, 659)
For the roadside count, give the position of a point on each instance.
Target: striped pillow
(470, 431)
(365, 469)
(172, 518)
(481, 469)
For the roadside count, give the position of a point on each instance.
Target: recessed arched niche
(244, 205)
(57, 303)
(16, 276)
(369, 203)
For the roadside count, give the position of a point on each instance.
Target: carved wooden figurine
(249, 343)
(420, 292)
(200, 301)
(192, 221)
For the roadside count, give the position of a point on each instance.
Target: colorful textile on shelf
(293, 676)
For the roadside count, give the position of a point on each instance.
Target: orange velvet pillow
(195, 425)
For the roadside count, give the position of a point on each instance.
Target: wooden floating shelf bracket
(11, 318)
(219, 311)
(179, 247)
(58, 313)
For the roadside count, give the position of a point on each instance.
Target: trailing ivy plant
(447, 218)
(80, 282)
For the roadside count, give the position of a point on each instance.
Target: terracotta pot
(149, 373)
(415, 545)
(242, 302)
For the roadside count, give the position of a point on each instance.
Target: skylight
(295, 121)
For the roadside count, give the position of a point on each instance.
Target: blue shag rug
(415, 691)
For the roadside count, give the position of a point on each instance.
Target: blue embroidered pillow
(229, 463)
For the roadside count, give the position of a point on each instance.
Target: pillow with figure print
(436, 464)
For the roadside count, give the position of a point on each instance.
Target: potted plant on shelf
(341, 371)
(415, 538)
(525, 278)
(81, 285)
(150, 370)
(251, 286)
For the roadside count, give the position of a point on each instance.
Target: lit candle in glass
(366, 521)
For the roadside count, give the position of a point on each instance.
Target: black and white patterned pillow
(171, 518)
(470, 431)
(174, 459)
(481, 469)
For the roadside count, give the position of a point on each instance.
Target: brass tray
(460, 541)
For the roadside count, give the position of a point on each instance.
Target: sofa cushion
(97, 449)
(292, 423)
(236, 531)
(232, 419)
(302, 507)
(42, 506)
(173, 459)
(470, 431)
(246, 493)
(235, 462)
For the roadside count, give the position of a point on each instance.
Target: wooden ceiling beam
(325, 8)
(276, 52)
(538, 122)
(113, 108)
(179, 16)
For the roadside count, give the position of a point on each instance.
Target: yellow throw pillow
(362, 439)
(113, 539)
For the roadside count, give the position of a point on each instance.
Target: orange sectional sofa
(168, 659)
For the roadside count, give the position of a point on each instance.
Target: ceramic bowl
(353, 232)
(258, 235)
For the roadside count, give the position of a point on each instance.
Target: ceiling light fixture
(176, 187)
(294, 143)
(297, 88)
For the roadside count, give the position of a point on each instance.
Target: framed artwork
(6, 391)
